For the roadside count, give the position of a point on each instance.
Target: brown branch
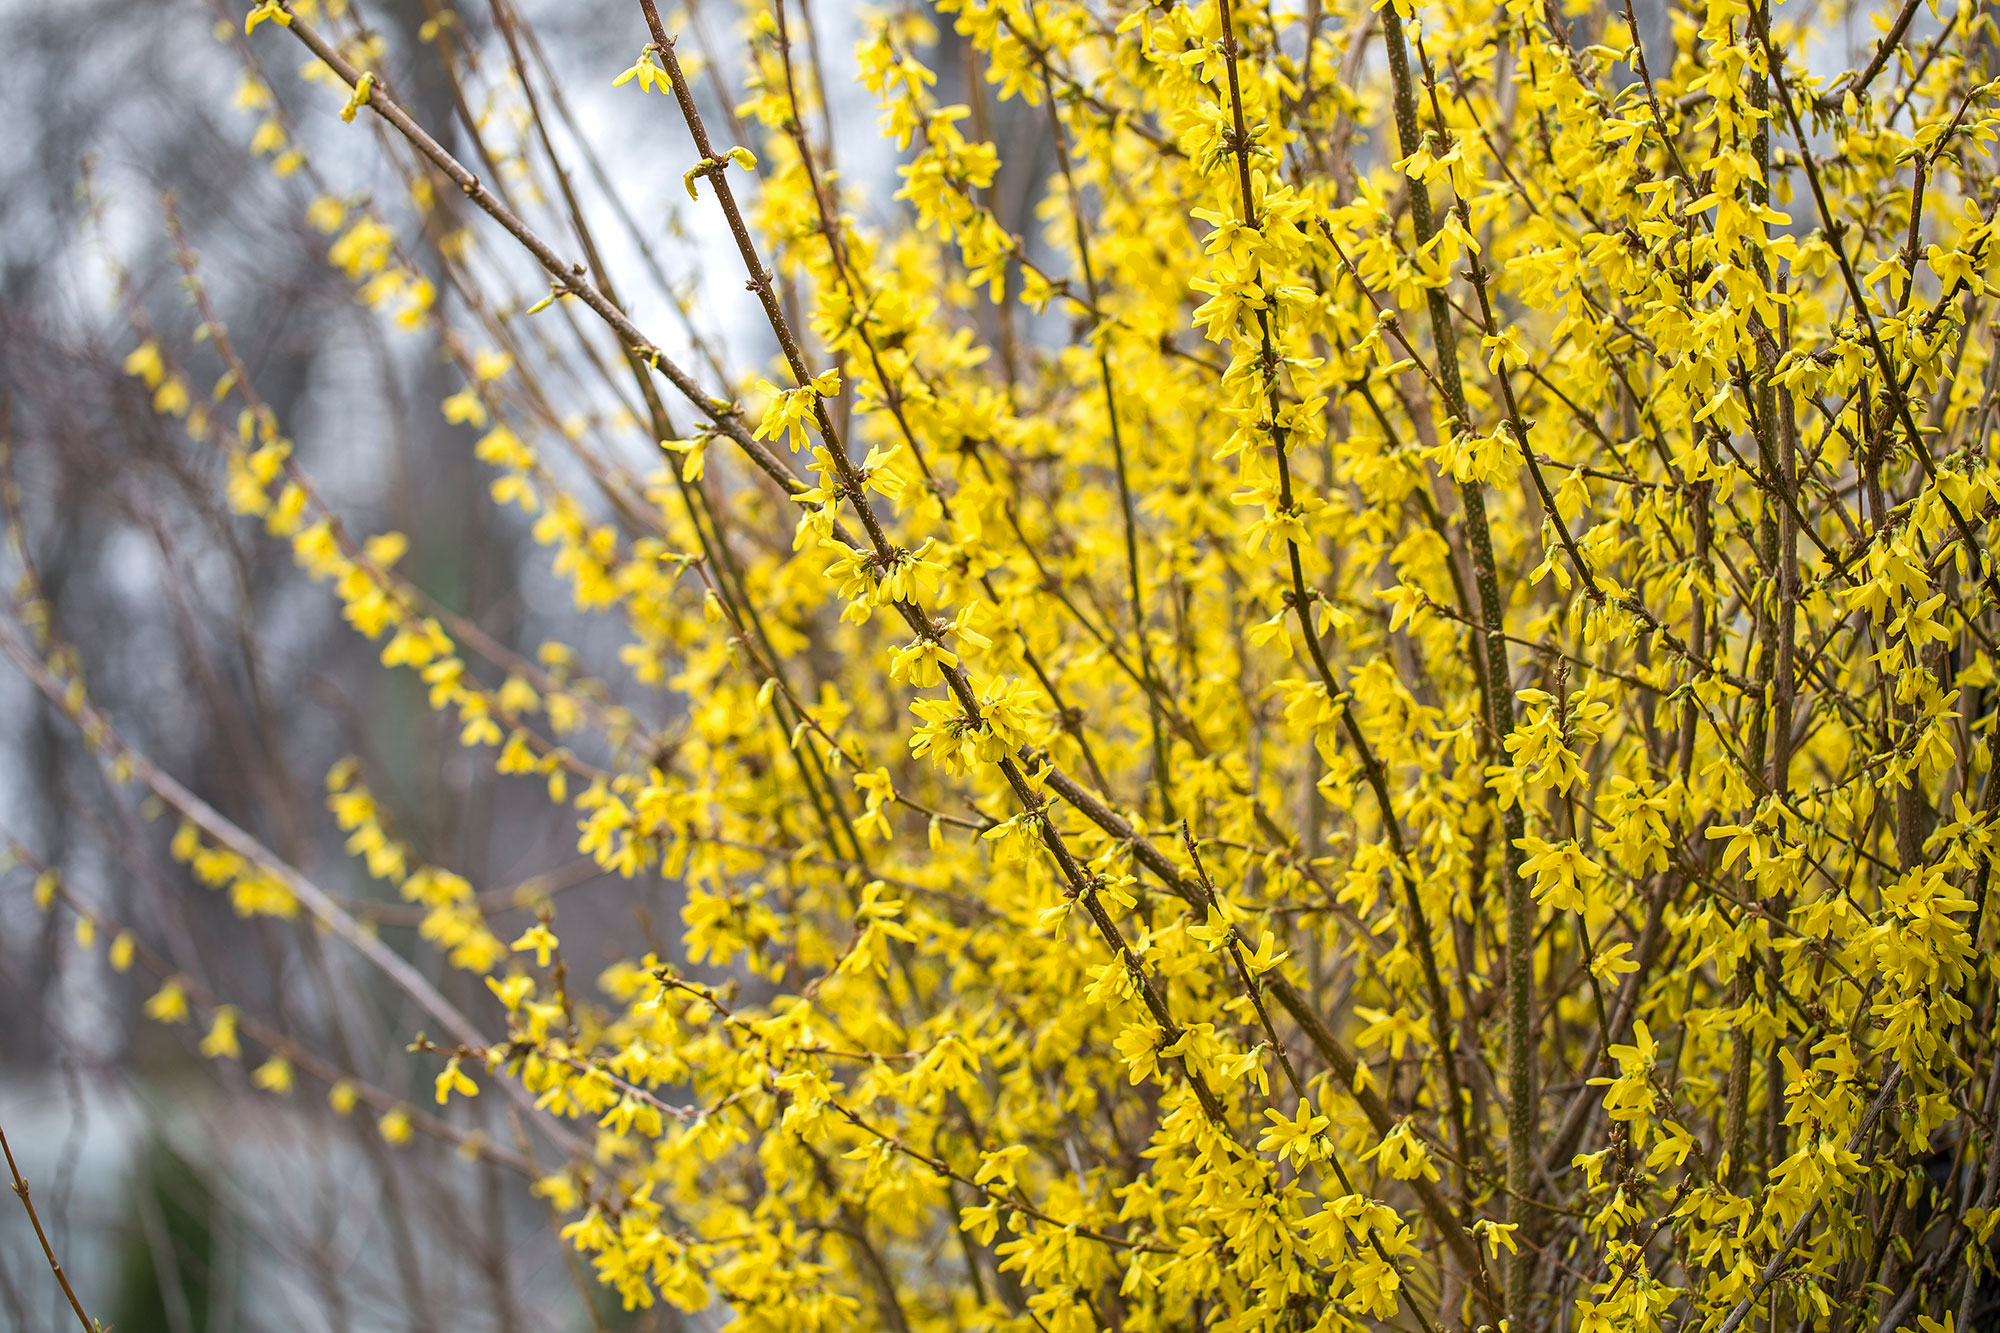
(48, 1250)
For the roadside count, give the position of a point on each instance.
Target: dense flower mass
(1389, 722)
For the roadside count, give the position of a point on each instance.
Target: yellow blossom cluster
(1384, 719)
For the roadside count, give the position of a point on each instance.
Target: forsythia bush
(1389, 723)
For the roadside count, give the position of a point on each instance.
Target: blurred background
(179, 1197)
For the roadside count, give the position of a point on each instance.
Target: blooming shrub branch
(1390, 722)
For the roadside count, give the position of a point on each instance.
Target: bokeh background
(180, 1197)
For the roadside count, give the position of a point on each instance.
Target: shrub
(1388, 720)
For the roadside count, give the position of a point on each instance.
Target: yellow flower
(1296, 1136)
(453, 1080)
(169, 1003)
(274, 1075)
(395, 1127)
(539, 938)
(221, 1043)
